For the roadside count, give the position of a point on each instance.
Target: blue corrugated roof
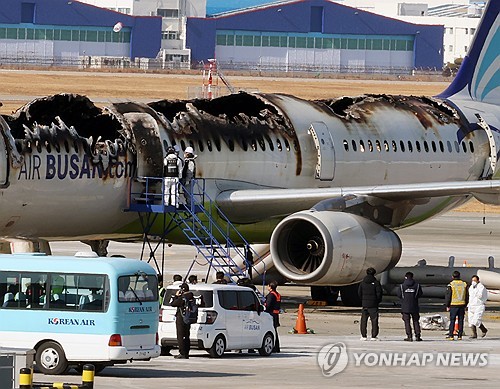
(218, 6)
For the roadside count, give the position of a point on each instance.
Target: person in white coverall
(477, 300)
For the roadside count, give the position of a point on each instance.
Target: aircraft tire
(349, 295)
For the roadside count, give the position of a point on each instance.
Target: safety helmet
(189, 150)
(170, 150)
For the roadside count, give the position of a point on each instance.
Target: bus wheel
(50, 359)
(218, 348)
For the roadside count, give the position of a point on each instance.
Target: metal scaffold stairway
(200, 220)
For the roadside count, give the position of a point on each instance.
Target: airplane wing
(249, 205)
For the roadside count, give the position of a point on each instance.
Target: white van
(230, 317)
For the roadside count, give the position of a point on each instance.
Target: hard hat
(170, 150)
(189, 150)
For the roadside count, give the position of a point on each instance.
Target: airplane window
(370, 146)
(386, 146)
(261, 143)
(354, 145)
(201, 146)
(441, 146)
(287, 145)
(457, 147)
(270, 142)
(361, 146)
(417, 145)
(253, 143)
(209, 145)
(244, 143)
(379, 148)
(38, 146)
(66, 146)
(217, 143)
(183, 145)
(410, 147)
(449, 146)
(434, 148)
(278, 144)
(47, 146)
(464, 146)
(394, 146)
(75, 146)
(402, 145)
(230, 143)
(471, 145)
(426, 146)
(346, 145)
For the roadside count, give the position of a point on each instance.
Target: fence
(252, 68)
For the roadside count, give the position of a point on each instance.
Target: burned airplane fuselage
(70, 160)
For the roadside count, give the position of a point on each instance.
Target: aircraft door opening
(325, 166)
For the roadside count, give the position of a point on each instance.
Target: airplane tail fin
(479, 75)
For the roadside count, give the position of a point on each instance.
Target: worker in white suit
(478, 295)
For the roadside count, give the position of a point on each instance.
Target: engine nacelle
(332, 248)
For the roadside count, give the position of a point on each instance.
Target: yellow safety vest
(458, 290)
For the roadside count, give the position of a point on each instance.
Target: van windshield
(204, 298)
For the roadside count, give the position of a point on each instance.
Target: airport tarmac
(388, 363)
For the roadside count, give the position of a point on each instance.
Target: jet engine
(331, 248)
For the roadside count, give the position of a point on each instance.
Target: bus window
(137, 287)
(92, 292)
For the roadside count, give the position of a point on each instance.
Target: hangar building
(61, 31)
(314, 35)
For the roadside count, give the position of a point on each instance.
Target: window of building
(124, 10)
(27, 12)
(472, 31)
(167, 13)
(450, 48)
(174, 35)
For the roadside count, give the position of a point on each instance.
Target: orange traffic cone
(455, 329)
(300, 325)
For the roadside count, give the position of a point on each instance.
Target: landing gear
(349, 295)
(329, 294)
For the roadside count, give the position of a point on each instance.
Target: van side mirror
(260, 309)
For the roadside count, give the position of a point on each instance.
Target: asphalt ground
(388, 363)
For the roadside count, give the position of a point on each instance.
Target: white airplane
(325, 183)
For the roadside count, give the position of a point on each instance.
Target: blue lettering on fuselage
(65, 166)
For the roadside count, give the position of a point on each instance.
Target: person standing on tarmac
(477, 300)
(409, 292)
(179, 300)
(273, 307)
(456, 300)
(172, 172)
(370, 293)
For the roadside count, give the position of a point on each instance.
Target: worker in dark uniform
(370, 293)
(172, 172)
(456, 300)
(273, 307)
(409, 292)
(179, 300)
(219, 278)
